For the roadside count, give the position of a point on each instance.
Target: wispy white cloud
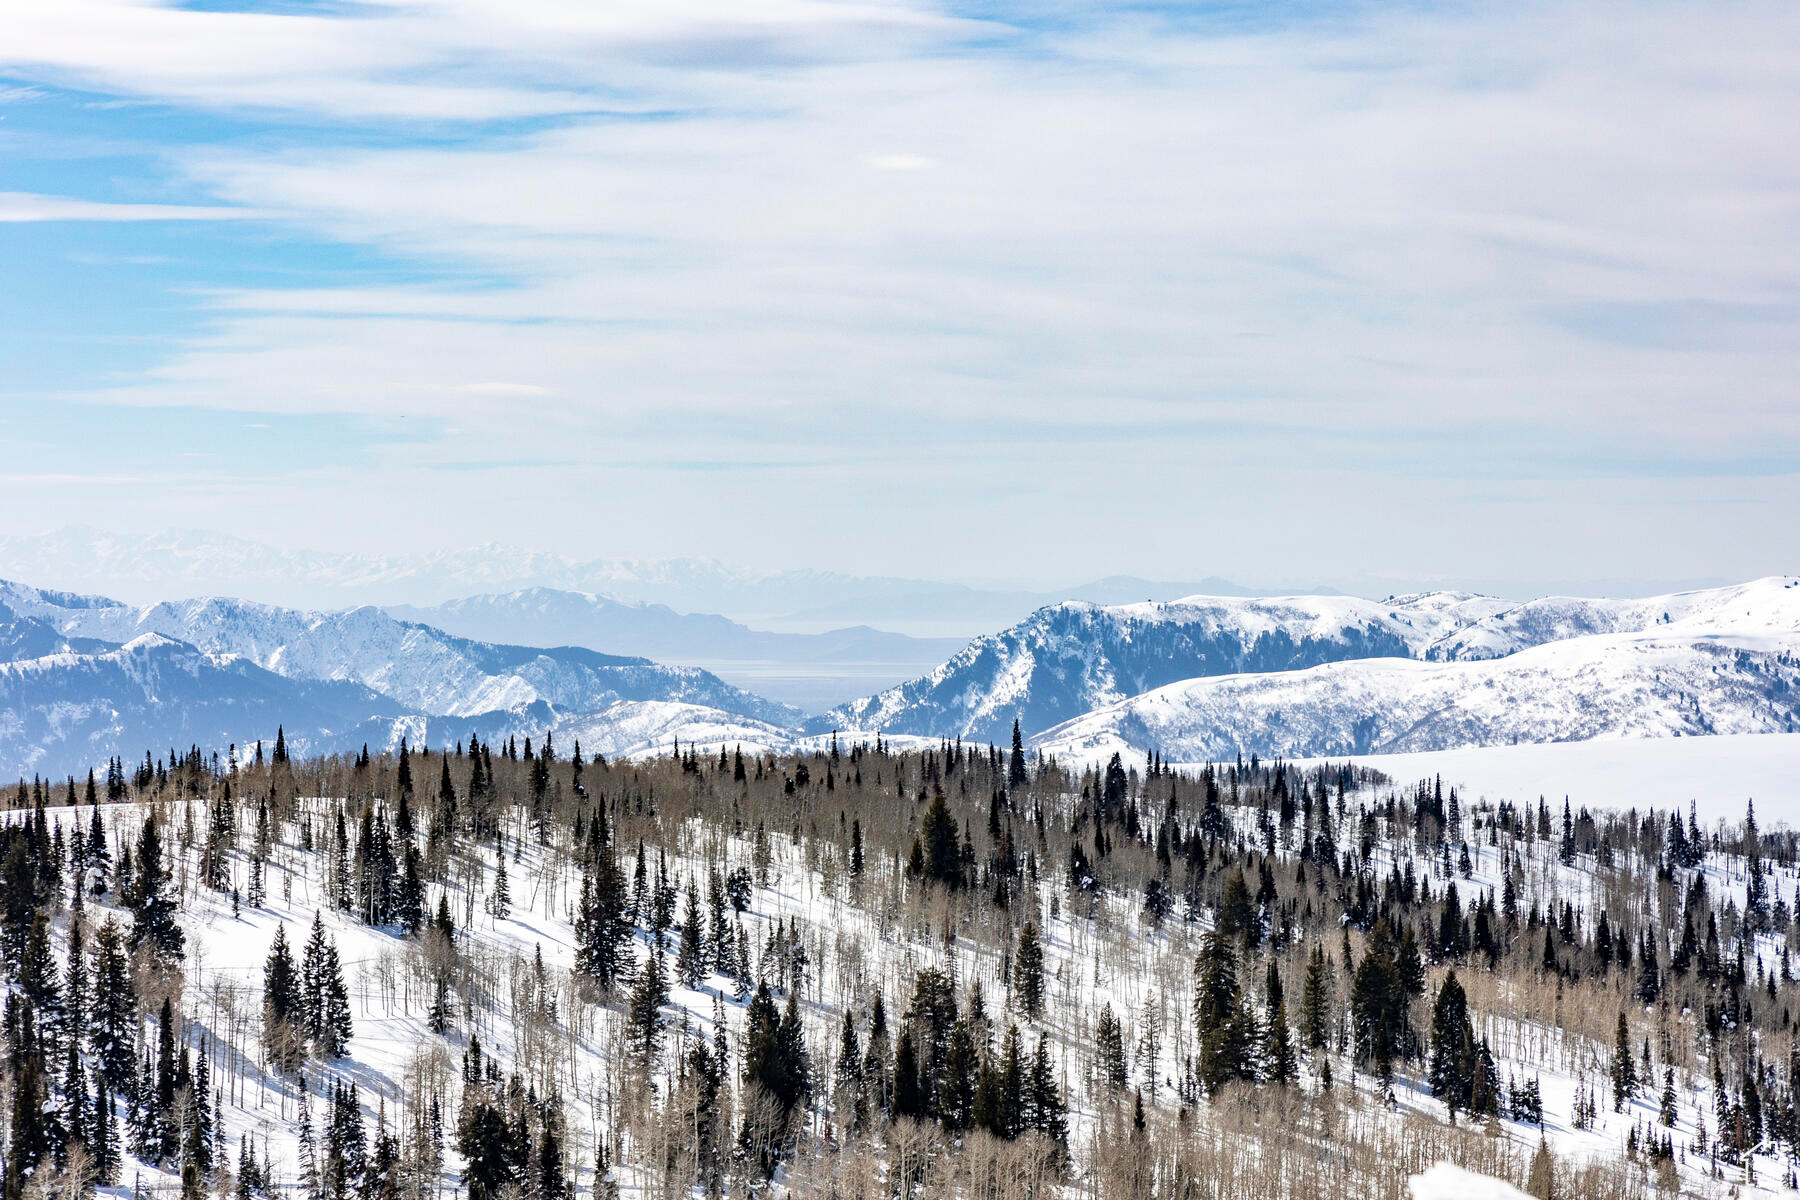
(27, 206)
(811, 226)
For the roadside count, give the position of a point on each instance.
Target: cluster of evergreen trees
(1280, 868)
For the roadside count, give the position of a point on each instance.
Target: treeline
(1333, 925)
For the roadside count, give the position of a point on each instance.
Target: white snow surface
(1447, 1181)
(1072, 658)
(416, 665)
(1602, 686)
(1718, 774)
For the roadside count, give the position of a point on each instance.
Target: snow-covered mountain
(1069, 658)
(421, 668)
(87, 677)
(1072, 658)
(1763, 607)
(1627, 685)
(62, 713)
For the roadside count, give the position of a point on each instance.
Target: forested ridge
(511, 970)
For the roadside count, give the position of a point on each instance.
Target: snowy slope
(421, 668)
(1762, 606)
(1072, 658)
(1606, 686)
(64, 712)
(1718, 774)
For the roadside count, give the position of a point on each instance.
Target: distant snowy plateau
(1199, 679)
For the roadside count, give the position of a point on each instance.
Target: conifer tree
(1028, 971)
(1452, 1067)
(1279, 1066)
(690, 959)
(153, 913)
(1109, 1050)
(644, 1015)
(284, 1024)
(1224, 1028)
(603, 922)
(1624, 1071)
(1315, 1000)
(500, 899)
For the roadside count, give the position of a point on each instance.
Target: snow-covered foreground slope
(1608, 686)
(1072, 658)
(516, 993)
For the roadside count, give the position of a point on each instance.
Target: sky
(1284, 293)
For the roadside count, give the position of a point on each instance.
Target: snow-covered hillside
(86, 678)
(418, 666)
(1072, 658)
(1608, 686)
(62, 713)
(1717, 774)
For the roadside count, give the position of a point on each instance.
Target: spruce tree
(1624, 1070)
(644, 1014)
(1452, 1067)
(1315, 1000)
(690, 959)
(1028, 971)
(1224, 1029)
(284, 1026)
(153, 913)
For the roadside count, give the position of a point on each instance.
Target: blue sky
(1291, 294)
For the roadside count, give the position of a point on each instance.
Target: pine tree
(690, 960)
(1045, 1110)
(937, 835)
(1015, 767)
(500, 899)
(1624, 1070)
(956, 1082)
(284, 1025)
(909, 1095)
(311, 1182)
(644, 1015)
(106, 1136)
(603, 922)
(1315, 1000)
(1452, 1067)
(1378, 1002)
(1109, 1050)
(1224, 1028)
(1279, 1066)
(153, 913)
(325, 1001)
(1028, 971)
(1669, 1112)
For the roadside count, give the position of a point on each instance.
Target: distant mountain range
(92, 677)
(1605, 686)
(1071, 659)
(149, 567)
(84, 676)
